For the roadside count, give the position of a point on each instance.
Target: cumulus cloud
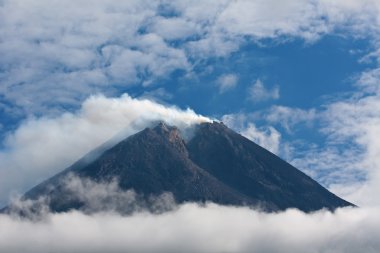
(193, 228)
(56, 54)
(258, 92)
(176, 28)
(226, 82)
(41, 147)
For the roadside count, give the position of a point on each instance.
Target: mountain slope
(216, 165)
(256, 172)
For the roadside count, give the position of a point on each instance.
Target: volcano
(215, 165)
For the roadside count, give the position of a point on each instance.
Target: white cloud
(267, 137)
(368, 81)
(159, 95)
(357, 121)
(288, 117)
(41, 147)
(257, 92)
(332, 166)
(226, 82)
(95, 197)
(56, 54)
(348, 162)
(265, 19)
(181, 228)
(174, 28)
(192, 228)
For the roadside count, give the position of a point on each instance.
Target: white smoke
(41, 147)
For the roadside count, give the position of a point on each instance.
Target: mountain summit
(216, 165)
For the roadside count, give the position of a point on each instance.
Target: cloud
(90, 197)
(332, 166)
(288, 117)
(348, 162)
(56, 54)
(115, 220)
(357, 121)
(159, 95)
(226, 82)
(258, 93)
(193, 228)
(189, 227)
(176, 28)
(267, 137)
(41, 147)
(345, 157)
(266, 19)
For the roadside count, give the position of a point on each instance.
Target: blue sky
(298, 77)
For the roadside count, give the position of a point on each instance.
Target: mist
(117, 220)
(195, 228)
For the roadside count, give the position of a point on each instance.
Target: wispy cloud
(348, 161)
(357, 121)
(288, 117)
(258, 92)
(227, 82)
(267, 137)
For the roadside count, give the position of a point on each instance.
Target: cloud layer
(167, 227)
(193, 228)
(56, 54)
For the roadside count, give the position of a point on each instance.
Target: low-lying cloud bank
(88, 196)
(194, 228)
(115, 220)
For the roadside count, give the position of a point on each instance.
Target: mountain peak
(164, 129)
(162, 126)
(172, 134)
(217, 165)
(215, 126)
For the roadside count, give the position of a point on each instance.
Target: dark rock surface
(256, 172)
